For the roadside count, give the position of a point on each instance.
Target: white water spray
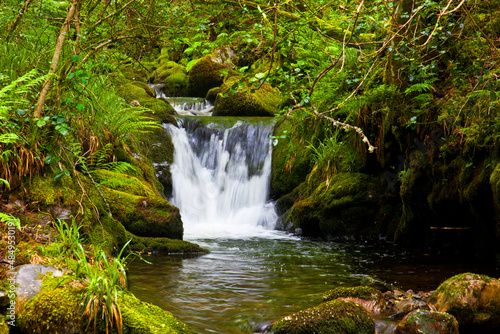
(221, 179)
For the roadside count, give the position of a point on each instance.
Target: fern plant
(20, 140)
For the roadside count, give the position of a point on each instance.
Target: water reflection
(242, 284)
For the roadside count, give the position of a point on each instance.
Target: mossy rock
(47, 192)
(343, 205)
(474, 300)
(135, 91)
(248, 100)
(422, 321)
(362, 292)
(172, 77)
(54, 311)
(145, 216)
(163, 245)
(123, 182)
(370, 298)
(208, 72)
(144, 318)
(334, 317)
(58, 310)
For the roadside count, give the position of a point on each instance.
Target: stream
(254, 274)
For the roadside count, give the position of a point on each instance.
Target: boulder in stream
(209, 71)
(246, 99)
(334, 317)
(370, 298)
(474, 300)
(422, 321)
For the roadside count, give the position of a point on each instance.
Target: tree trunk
(18, 19)
(55, 58)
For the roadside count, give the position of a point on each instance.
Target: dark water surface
(244, 283)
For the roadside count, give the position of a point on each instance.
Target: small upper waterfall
(220, 177)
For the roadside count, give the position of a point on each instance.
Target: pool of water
(243, 284)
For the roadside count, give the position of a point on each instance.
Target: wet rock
(424, 321)
(246, 100)
(377, 284)
(370, 298)
(334, 317)
(473, 299)
(29, 279)
(209, 71)
(407, 305)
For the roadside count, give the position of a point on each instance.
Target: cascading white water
(220, 178)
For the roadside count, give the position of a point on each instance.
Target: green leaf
(80, 106)
(74, 58)
(260, 75)
(41, 122)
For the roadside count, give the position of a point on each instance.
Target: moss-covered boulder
(345, 204)
(54, 311)
(172, 77)
(334, 317)
(58, 310)
(209, 71)
(246, 100)
(145, 216)
(474, 300)
(428, 322)
(144, 318)
(370, 298)
(137, 91)
(163, 245)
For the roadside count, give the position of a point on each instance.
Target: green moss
(345, 204)
(145, 216)
(423, 321)
(123, 183)
(362, 292)
(335, 317)
(54, 311)
(4, 328)
(46, 192)
(291, 160)
(144, 318)
(136, 91)
(172, 76)
(57, 309)
(474, 300)
(207, 73)
(248, 101)
(163, 245)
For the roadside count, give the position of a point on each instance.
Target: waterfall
(220, 177)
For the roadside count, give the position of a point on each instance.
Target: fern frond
(419, 88)
(131, 121)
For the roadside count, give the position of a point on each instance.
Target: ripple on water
(242, 284)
